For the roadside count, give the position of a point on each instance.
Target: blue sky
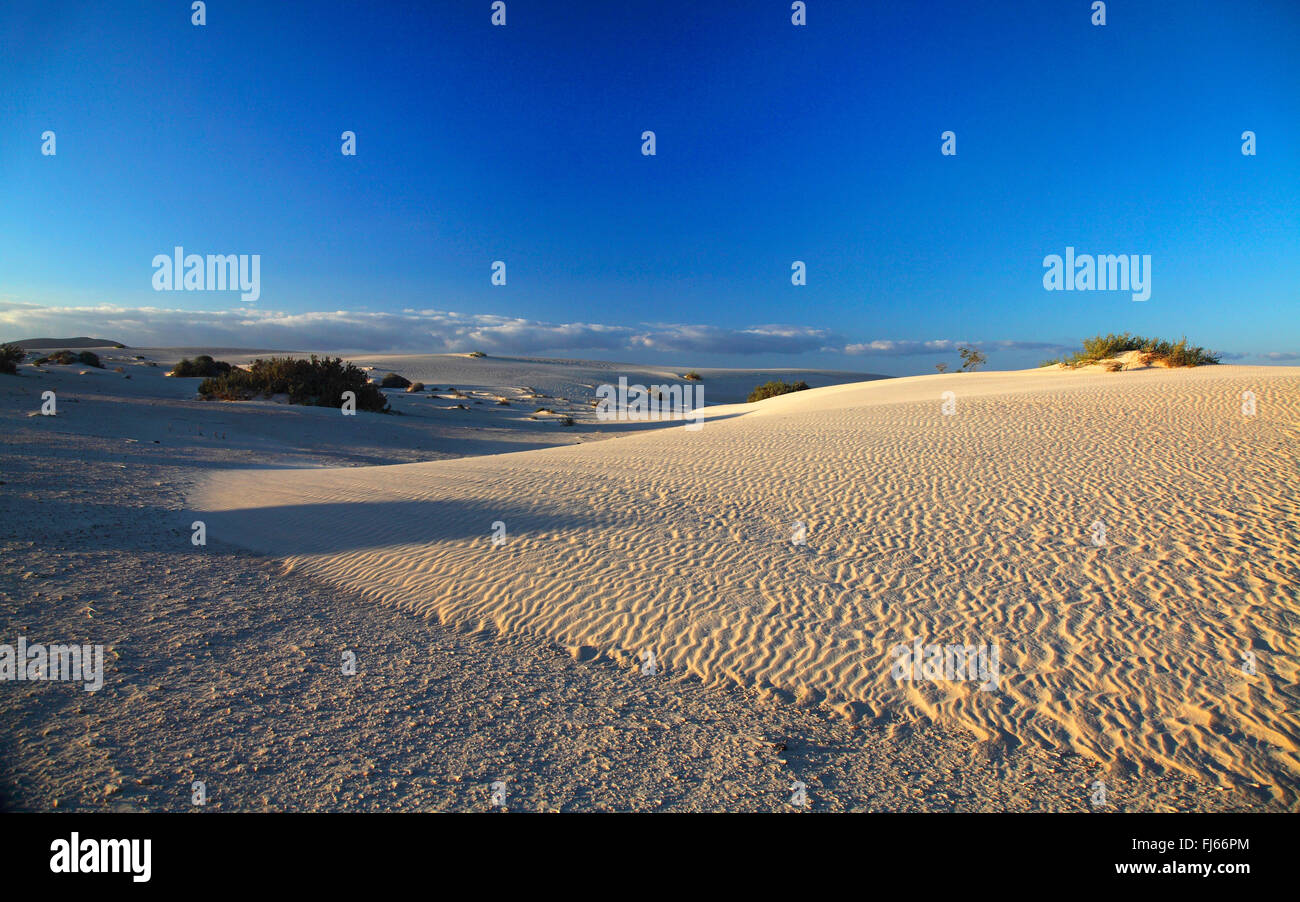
(775, 143)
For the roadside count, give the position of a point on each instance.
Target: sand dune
(974, 527)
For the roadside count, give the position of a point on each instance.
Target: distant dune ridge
(958, 509)
(36, 344)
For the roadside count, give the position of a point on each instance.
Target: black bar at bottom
(572, 852)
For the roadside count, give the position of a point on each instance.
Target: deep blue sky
(775, 143)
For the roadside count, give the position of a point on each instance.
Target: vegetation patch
(318, 382)
(203, 366)
(1154, 351)
(774, 388)
(67, 358)
(10, 356)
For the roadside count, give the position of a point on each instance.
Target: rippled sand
(978, 527)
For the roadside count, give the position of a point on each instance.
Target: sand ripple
(975, 528)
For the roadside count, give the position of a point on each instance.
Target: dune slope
(1126, 542)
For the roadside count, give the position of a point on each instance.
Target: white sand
(970, 528)
(1119, 663)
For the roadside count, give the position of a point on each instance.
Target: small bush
(941, 367)
(415, 386)
(693, 376)
(477, 354)
(10, 356)
(971, 359)
(566, 421)
(1114, 366)
(202, 366)
(774, 388)
(316, 382)
(392, 380)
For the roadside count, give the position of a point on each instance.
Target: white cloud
(769, 339)
(443, 331)
(434, 331)
(944, 346)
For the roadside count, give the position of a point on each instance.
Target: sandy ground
(522, 662)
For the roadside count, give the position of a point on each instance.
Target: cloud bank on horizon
(441, 331)
(449, 332)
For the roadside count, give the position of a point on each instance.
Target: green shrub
(1099, 347)
(774, 388)
(1181, 354)
(415, 386)
(10, 356)
(693, 376)
(317, 382)
(203, 365)
(392, 380)
(477, 354)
